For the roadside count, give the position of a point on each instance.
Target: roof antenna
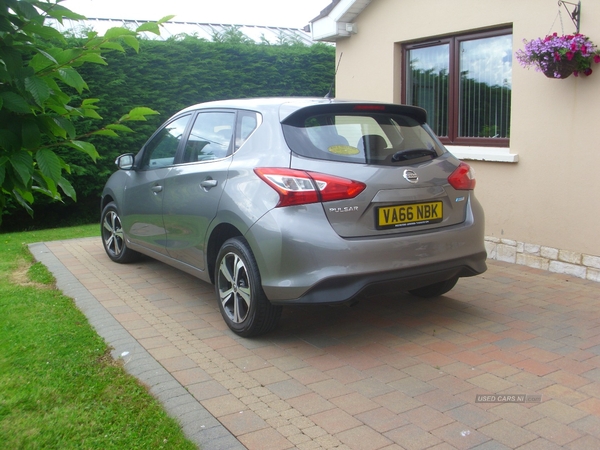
(328, 95)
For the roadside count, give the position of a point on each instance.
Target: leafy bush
(167, 76)
(38, 112)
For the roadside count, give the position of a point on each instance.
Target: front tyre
(243, 304)
(113, 237)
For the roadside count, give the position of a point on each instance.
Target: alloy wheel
(234, 288)
(112, 233)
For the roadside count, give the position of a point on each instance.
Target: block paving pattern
(393, 372)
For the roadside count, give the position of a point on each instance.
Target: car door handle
(209, 183)
(157, 189)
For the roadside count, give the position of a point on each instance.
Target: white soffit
(338, 23)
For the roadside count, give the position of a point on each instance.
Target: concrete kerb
(197, 423)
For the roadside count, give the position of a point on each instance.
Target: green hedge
(168, 76)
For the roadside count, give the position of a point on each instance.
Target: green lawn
(59, 387)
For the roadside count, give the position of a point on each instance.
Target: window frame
(237, 138)
(454, 41)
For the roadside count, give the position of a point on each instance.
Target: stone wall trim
(542, 257)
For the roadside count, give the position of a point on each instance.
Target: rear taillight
(299, 187)
(463, 178)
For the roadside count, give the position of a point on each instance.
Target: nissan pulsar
(297, 201)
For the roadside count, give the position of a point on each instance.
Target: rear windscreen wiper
(405, 155)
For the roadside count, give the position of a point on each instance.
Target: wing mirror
(125, 161)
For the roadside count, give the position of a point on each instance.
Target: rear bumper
(302, 260)
(344, 289)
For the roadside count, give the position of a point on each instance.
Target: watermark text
(508, 398)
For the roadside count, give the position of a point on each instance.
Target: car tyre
(242, 301)
(436, 289)
(113, 237)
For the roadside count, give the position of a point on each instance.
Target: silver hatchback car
(282, 201)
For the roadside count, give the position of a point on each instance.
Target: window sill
(497, 154)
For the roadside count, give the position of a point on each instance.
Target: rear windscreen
(362, 137)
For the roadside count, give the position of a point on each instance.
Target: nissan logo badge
(410, 176)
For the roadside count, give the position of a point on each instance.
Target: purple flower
(541, 53)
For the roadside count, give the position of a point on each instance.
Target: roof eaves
(336, 20)
(325, 12)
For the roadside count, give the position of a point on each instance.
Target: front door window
(162, 148)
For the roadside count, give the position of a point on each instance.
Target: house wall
(546, 200)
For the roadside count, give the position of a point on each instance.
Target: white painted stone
(536, 262)
(567, 269)
(491, 249)
(545, 258)
(593, 275)
(549, 252)
(506, 253)
(570, 257)
(591, 261)
(532, 249)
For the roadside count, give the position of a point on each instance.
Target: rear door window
(210, 137)
(361, 137)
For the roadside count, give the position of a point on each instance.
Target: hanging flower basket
(559, 56)
(560, 69)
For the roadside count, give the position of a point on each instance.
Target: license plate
(409, 215)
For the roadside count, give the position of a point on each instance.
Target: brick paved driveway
(389, 373)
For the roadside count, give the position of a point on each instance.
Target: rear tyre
(242, 301)
(436, 289)
(113, 237)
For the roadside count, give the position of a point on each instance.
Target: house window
(464, 83)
